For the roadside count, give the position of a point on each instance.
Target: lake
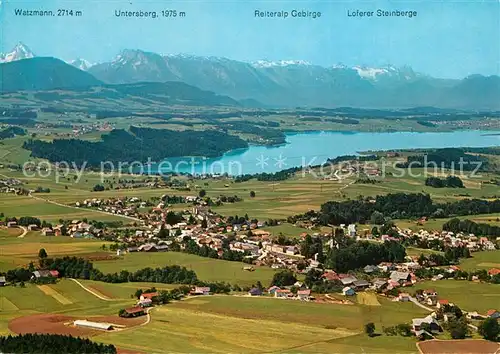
(313, 148)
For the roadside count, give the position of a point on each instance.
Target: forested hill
(42, 74)
(137, 144)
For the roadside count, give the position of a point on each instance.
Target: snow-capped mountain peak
(370, 73)
(81, 64)
(270, 64)
(20, 51)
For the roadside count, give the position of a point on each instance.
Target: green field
(250, 325)
(20, 251)
(207, 269)
(482, 260)
(469, 296)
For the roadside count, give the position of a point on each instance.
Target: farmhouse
(404, 297)
(148, 296)
(282, 293)
(134, 312)
(200, 290)
(37, 274)
(400, 277)
(441, 303)
(255, 292)
(493, 314)
(347, 291)
(145, 302)
(431, 321)
(95, 325)
(304, 295)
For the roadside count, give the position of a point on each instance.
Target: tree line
(448, 182)
(136, 144)
(359, 254)
(469, 226)
(52, 343)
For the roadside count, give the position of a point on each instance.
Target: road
(415, 301)
(25, 231)
(91, 291)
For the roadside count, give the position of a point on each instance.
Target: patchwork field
(273, 199)
(247, 325)
(207, 269)
(470, 296)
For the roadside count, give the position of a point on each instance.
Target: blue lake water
(313, 148)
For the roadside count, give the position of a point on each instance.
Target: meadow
(207, 269)
(482, 260)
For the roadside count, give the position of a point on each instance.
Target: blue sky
(448, 39)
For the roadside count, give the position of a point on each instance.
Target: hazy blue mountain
(297, 83)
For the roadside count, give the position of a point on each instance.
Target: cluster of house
(127, 206)
(76, 229)
(352, 284)
(301, 293)
(10, 185)
(36, 275)
(451, 239)
(428, 324)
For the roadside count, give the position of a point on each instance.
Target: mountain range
(286, 83)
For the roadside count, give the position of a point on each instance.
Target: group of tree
(451, 256)
(283, 278)
(52, 343)
(315, 281)
(489, 329)
(29, 220)
(402, 329)
(395, 206)
(311, 246)
(359, 254)
(468, 226)
(448, 182)
(11, 132)
(79, 268)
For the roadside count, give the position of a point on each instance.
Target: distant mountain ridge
(291, 83)
(288, 83)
